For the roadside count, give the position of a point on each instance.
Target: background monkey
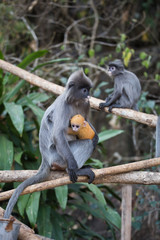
(80, 128)
(127, 88)
(57, 151)
(157, 154)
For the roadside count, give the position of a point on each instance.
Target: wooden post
(126, 212)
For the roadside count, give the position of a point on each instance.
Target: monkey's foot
(110, 109)
(73, 175)
(101, 105)
(86, 172)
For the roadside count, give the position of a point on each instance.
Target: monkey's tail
(40, 176)
(158, 138)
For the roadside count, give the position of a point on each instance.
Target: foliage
(77, 34)
(20, 149)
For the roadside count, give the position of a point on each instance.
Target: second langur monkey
(80, 128)
(127, 88)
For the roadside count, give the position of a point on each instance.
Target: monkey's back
(86, 132)
(132, 79)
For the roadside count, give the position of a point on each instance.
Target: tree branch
(103, 175)
(145, 178)
(148, 119)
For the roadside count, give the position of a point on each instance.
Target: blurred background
(52, 39)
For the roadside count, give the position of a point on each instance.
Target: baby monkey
(80, 128)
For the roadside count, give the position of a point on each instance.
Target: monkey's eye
(112, 69)
(85, 91)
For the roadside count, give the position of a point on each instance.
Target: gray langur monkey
(157, 154)
(127, 88)
(57, 149)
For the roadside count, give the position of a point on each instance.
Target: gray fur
(157, 154)
(54, 145)
(127, 88)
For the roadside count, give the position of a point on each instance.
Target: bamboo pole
(126, 212)
(148, 119)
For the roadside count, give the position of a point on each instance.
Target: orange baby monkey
(80, 128)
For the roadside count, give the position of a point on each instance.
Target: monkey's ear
(71, 84)
(84, 123)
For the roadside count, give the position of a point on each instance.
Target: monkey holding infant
(57, 149)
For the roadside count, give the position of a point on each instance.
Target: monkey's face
(75, 127)
(78, 93)
(78, 87)
(114, 70)
(111, 71)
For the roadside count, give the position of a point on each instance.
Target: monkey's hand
(95, 140)
(110, 109)
(103, 105)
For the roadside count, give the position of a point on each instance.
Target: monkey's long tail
(40, 176)
(158, 138)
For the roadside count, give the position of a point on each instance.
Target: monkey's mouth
(87, 99)
(110, 73)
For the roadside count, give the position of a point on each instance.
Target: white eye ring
(112, 68)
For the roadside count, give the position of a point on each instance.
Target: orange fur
(85, 131)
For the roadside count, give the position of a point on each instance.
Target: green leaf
(14, 91)
(96, 163)
(109, 214)
(31, 57)
(107, 134)
(34, 98)
(57, 229)
(1, 75)
(62, 195)
(6, 153)
(123, 37)
(91, 53)
(16, 114)
(51, 62)
(45, 225)
(146, 62)
(143, 55)
(157, 77)
(113, 217)
(151, 104)
(37, 111)
(97, 192)
(97, 91)
(17, 157)
(32, 207)
(26, 61)
(86, 70)
(22, 203)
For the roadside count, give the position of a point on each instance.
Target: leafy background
(53, 39)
